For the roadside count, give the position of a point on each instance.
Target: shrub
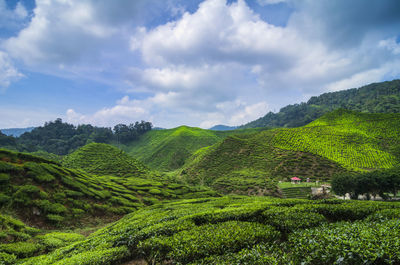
(384, 215)
(4, 199)
(21, 249)
(57, 239)
(290, 219)
(55, 218)
(346, 211)
(25, 194)
(4, 178)
(155, 191)
(205, 240)
(347, 243)
(59, 196)
(73, 193)
(7, 259)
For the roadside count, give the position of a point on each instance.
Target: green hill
(43, 193)
(358, 141)
(248, 165)
(104, 159)
(338, 142)
(373, 98)
(243, 230)
(167, 150)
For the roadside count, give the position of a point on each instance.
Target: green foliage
(4, 178)
(290, 219)
(167, 150)
(248, 164)
(20, 249)
(104, 159)
(12, 230)
(62, 138)
(69, 198)
(348, 243)
(370, 183)
(374, 98)
(210, 239)
(7, 259)
(354, 140)
(338, 143)
(244, 230)
(55, 240)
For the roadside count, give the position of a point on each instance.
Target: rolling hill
(337, 142)
(104, 159)
(44, 193)
(168, 150)
(381, 97)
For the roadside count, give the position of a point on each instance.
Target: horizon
(198, 63)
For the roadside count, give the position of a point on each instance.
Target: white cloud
(8, 72)
(286, 62)
(10, 19)
(125, 111)
(219, 64)
(21, 117)
(59, 32)
(270, 2)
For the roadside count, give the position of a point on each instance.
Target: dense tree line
(373, 183)
(62, 138)
(374, 98)
(7, 141)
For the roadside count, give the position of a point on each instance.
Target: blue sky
(174, 62)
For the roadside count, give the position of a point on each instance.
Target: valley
(194, 196)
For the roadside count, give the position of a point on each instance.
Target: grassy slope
(248, 164)
(355, 140)
(44, 193)
(243, 230)
(104, 159)
(167, 150)
(339, 141)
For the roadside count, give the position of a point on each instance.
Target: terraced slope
(339, 141)
(358, 141)
(250, 164)
(105, 159)
(44, 193)
(243, 230)
(167, 150)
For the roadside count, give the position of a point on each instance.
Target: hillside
(373, 98)
(338, 142)
(250, 165)
(104, 159)
(43, 193)
(167, 150)
(243, 230)
(358, 141)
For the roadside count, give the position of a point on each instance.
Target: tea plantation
(44, 193)
(242, 230)
(167, 150)
(104, 159)
(339, 142)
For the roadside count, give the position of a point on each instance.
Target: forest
(62, 138)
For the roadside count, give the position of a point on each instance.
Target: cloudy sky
(175, 62)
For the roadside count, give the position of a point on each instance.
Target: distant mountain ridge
(221, 127)
(381, 97)
(16, 132)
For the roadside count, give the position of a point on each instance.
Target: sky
(186, 62)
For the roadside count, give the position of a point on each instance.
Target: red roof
(295, 178)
